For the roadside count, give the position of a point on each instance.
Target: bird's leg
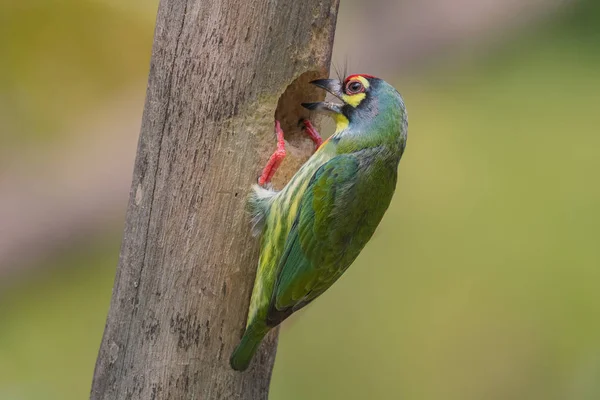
(276, 158)
(312, 133)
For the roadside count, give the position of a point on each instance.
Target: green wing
(324, 239)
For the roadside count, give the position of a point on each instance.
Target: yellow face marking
(362, 80)
(355, 99)
(341, 122)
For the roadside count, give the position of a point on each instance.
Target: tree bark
(221, 71)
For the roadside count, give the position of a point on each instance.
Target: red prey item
(312, 133)
(276, 158)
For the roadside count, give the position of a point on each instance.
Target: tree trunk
(221, 71)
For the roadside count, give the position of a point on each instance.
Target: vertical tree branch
(218, 72)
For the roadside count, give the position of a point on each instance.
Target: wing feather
(319, 237)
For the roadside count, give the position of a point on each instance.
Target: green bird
(315, 227)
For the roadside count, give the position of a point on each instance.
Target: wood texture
(218, 75)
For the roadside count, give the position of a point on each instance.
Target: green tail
(243, 353)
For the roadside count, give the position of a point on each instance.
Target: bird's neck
(386, 130)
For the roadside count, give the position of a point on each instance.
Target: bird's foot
(312, 133)
(275, 160)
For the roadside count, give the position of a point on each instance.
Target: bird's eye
(354, 87)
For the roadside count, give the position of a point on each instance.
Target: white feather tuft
(259, 202)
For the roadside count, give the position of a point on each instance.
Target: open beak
(334, 87)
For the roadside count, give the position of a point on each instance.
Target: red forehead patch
(350, 77)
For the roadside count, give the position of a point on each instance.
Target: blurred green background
(482, 281)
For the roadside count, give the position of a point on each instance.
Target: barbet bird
(314, 228)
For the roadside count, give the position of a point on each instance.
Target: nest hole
(290, 113)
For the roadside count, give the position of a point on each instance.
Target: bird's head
(363, 96)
